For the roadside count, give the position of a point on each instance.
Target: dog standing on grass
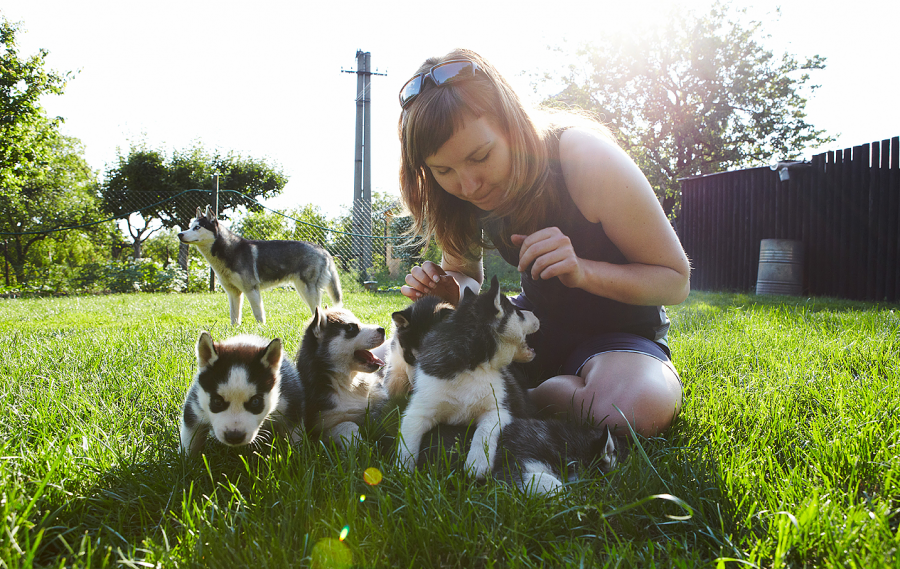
(246, 266)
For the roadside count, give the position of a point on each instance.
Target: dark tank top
(571, 309)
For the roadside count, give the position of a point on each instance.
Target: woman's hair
(432, 119)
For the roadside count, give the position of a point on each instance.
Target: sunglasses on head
(446, 72)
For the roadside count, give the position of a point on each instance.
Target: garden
(785, 454)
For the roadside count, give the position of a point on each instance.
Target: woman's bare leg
(643, 388)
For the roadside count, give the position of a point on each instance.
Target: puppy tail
(334, 284)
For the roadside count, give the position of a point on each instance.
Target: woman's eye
(484, 159)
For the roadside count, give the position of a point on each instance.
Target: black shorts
(564, 352)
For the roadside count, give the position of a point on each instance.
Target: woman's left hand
(549, 253)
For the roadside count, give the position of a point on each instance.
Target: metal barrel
(780, 267)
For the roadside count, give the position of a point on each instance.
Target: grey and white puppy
(338, 371)
(246, 266)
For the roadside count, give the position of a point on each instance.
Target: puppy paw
(405, 461)
(345, 435)
(477, 462)
(540, 483)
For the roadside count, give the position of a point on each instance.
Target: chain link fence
(140, 251)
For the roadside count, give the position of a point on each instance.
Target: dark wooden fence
(843, 205)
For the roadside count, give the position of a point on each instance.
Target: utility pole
(361, 240)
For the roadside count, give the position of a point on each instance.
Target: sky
(264, 79)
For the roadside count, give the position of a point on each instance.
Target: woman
(566, 206)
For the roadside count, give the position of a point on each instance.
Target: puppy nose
(380, 331)
(234, 437)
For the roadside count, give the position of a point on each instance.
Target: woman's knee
(632, 387)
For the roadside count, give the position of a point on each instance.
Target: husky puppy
(241, 383)
(244, 266)
(462, 374)
(410, 327)
(338, 371)
(532, 454)
(536, 453)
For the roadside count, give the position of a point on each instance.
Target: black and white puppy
(537, 453)
(240, 384)
(462, 374)
(410, 327)
(338, 371)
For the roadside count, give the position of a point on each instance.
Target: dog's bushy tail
(334, 284)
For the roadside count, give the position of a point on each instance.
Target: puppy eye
(353, 329)
(217, 404)
(255, 405)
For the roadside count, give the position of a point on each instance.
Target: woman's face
(474, 164)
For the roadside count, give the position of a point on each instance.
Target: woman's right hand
(430, 278)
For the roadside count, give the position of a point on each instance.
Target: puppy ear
(444, 310)
(401, 319)
(494, 293)
(467, 294)
(605, 450)
(271, 358)
(318, 323)
(206, 350)
(199, 213)
(209, 214)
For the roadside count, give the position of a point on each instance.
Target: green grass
(786, 453)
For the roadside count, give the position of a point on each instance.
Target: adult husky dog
(240, 384)
(463, 374)
(245, 266)
(337, 370)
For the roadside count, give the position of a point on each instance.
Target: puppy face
(513, 324)
(410, 327)
(518, 324)
(413, 322)
(239, 380)
(347, 340)
(202, 229)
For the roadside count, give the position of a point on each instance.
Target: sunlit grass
(786, 453)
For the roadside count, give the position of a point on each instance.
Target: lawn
(785, 455)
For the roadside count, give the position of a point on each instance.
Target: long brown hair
(432, 119)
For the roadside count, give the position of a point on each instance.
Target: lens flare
(344, 532)
(372, 476)
(331, 553)
(362, 498)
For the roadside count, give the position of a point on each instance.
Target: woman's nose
(468, 183)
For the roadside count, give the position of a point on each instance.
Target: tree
(26, 134)
(262, 225)
(61, 193)
(311, 225)
(132, 190)
(45, 183)
(697, 96)
(158, 187)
